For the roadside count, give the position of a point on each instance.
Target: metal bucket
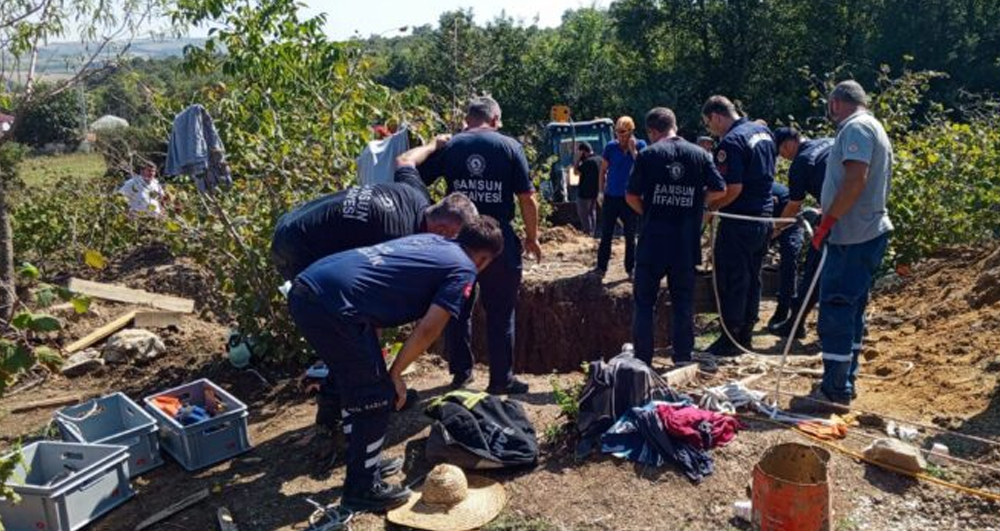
(791, 491)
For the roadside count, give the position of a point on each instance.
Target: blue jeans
(740, 247)
(844, 289)
(498, 285)
(789, 249)
(616, 208)
(351, 351)
(646, 290)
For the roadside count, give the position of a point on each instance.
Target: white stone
(134, 344)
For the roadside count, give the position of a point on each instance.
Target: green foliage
(47, 170)
(294, 115)
(56, 120)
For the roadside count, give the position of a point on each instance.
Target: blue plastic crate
(65, 486)
(117, 420)
(210, 441)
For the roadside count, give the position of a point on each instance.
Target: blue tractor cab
(563, 138)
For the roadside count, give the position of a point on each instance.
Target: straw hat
(451, 501)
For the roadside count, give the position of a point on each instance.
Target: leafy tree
(56, 120)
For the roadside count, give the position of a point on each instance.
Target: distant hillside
(56, 58)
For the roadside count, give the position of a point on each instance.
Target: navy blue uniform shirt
(394, 283)
(488, 167)
(808, 169)
(780, 194)
(355, 217)
(746, 155)
(671, 177)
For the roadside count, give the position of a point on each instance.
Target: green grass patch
(45, 171)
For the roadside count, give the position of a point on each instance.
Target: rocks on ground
(134, 345)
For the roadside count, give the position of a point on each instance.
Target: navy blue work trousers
(739, 252)
(351, 351)
(613, 209)
(498, 286)
(645, 292)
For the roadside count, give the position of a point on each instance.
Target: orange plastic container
(790, 489)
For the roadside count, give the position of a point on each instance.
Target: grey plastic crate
(64, 486)
(114, 419)
(208, 442)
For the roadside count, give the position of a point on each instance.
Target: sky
(348, 18)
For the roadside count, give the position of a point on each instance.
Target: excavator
(563, 135)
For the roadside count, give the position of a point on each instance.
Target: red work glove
(823, 231)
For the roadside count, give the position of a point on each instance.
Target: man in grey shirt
(855, 229)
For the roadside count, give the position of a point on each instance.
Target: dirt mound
(945, 318)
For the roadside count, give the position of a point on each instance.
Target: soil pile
(945, 318)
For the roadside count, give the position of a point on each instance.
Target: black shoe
(331, 445)
(381, 497)
(818, 402)
(723, 347)
(461, 381)
(745, 337)
(784, 329)
(780, 315)
(515, 387)
(598, 272)
(390, 467)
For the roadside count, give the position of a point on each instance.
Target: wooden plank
(132, 296)
(157, 319)
(172, 510)
(101, 333)
(681, 377)
(51, 402)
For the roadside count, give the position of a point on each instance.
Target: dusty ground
(939, 318)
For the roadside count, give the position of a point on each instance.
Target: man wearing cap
(805, 177)
(670, 185)
(789, 240)
(588, 166)
(855, 230)
(340, 301)
(619, 157)
(745, 157)
(492, 171)
(358, 217)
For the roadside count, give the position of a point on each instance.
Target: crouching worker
(359, 217)
(339, 302)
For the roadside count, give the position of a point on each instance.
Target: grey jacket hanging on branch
(195, 149)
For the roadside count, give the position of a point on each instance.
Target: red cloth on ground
(684, 422)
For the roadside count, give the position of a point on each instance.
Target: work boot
(745, 337)
(390, 467)
(461, 381)
(331, 445)
(723, 347)
(515, 387)
(784, 328)
(780, 315)
(818, 402)
(379, 498)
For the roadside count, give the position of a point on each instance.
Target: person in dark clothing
(365, 215)
(589, 168)
(340, 301)
(745, 157)
(359, 217)
(668, 189)
(619, 157)
(789, 239)
(805, 177)
(493, 171)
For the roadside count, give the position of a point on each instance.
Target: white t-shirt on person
(143, 197)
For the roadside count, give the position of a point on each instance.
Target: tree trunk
(8, 293)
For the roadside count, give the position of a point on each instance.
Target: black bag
(480, 431)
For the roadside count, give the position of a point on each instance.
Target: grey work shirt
(860, 138)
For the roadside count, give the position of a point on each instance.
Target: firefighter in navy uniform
(670, 185)
(745, 157)
(492, 171)
(340, 301)
(805, 177)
